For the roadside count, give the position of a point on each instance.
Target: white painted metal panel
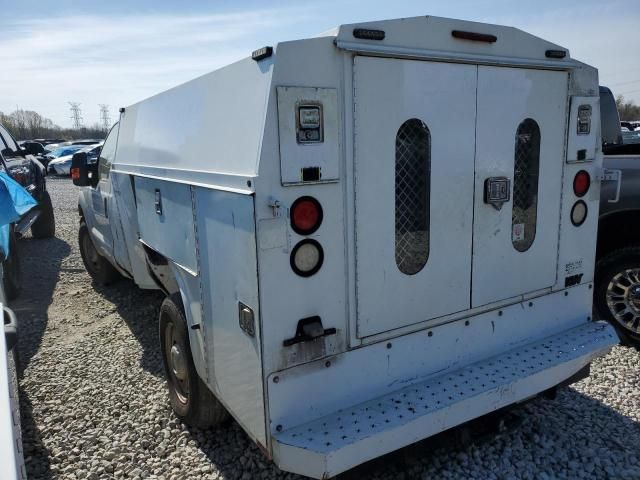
(388, 93)
(170, 232)
(128, 218)
(506, 97)
(430, 36)
(285, 297)
(351, 436)
(228, 269)
(212, 124)
(376, 370)
(324, 154)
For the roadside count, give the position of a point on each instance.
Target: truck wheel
(190, 398)
(12, 272)
(45, 225)
(617, 294)
(99, 268)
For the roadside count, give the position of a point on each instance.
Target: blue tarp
(15, 201)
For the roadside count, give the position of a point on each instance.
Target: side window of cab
(108, 153)
(9, 147)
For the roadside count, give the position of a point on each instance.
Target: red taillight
(75, 174)
(306, 215)
(581, 183)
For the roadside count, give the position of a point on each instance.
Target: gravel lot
(94, 403)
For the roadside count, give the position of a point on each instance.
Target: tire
(190, 398)
(12, 269)
(45, 225)
(615, 272)
(98, 267)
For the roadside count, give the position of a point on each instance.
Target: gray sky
(119, 52)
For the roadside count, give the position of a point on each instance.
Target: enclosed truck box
(366, 238)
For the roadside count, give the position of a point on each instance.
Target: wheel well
(618, 230)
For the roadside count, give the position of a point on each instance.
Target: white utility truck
(365, 238)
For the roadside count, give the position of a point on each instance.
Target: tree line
(27, 125)
(628, 111)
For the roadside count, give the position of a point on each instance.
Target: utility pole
(76, 115)
(105, 118)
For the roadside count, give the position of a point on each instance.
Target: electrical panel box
(309, 135)
(584, 120)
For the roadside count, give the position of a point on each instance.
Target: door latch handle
(158, 202)
(497, 191)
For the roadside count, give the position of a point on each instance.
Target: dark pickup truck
(617, 285)
(24, 168)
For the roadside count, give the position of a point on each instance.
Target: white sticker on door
(517, 232)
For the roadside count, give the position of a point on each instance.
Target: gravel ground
(95, 405)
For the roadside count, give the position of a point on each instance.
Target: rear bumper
(348, 437)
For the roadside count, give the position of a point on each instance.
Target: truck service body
(376, 234)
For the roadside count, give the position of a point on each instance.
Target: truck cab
(106, 252)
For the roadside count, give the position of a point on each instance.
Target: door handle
(158, 202)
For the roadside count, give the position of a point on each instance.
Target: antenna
(105, 118)
(76, 115)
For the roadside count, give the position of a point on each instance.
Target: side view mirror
(33, 149)
(83, 173)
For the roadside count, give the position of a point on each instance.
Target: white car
(62, 165)
(11, 457)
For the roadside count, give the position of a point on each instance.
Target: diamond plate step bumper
(339, 441)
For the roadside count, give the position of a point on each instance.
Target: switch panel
(309, 135)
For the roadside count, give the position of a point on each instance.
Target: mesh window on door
(413, 181)
(525, 185)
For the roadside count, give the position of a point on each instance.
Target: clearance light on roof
(264, 52)
(368, 34)
(474, 36)
(555, 53)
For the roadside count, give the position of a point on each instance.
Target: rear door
(520, 137)
(414, 180)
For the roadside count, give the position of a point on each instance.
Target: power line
(76, 115)
(623, 83)
(105, 118)
(630, 91)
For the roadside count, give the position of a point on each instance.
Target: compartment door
(520, 137)
(414, 160)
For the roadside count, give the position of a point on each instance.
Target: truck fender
(171, 279)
